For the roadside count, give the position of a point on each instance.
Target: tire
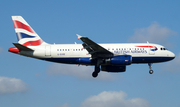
(94, 74)
(151, 71)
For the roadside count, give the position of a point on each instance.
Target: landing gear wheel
(94, 74)
(151, 71)
(97, 68)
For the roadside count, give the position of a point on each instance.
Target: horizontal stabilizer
(22, 47)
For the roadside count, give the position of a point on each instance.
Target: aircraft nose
(172, 55)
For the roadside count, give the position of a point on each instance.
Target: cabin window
(57, 49)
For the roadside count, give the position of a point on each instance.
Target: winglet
(79, 37)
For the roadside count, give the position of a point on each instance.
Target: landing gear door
(47, 50)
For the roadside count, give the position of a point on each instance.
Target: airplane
(112, 57)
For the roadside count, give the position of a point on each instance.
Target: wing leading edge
(95, 49)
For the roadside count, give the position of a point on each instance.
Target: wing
(95, 49)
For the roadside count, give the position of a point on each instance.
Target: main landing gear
(150, 66)
(97, 68)
(96, 71)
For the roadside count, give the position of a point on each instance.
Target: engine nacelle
(113, 68)
(120, 60)
(84, 61)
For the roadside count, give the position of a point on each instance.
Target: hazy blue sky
(27, 82)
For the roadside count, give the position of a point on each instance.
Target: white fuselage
(105, 57)
(140, 52)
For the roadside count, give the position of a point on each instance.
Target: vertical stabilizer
(25, 34)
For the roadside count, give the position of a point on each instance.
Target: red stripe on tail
(20, 25)
(33, 43)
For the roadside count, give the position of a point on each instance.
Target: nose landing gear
(151, 71)
(150, 66)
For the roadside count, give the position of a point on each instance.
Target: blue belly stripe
(134, 60)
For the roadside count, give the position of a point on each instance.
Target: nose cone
(172, 55)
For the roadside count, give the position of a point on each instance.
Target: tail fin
(25, 34)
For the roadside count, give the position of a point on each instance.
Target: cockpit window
(163, 48)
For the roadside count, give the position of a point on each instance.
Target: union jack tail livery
(27, 37)
(25, 34)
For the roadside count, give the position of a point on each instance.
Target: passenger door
(48, 50)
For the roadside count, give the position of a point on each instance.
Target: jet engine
(120, 60)
(113, 68)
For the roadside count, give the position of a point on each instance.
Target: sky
(28, 82)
